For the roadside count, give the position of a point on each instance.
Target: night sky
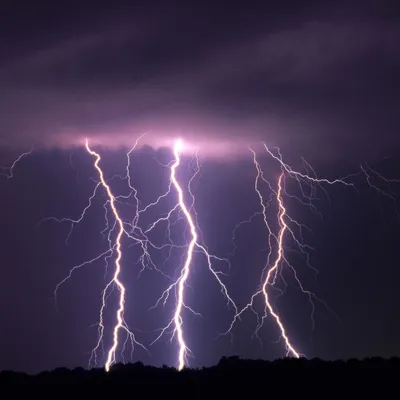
(319, 81)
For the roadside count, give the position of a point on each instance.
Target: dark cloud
(298, 74)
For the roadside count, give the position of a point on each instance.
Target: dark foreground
(261, 378)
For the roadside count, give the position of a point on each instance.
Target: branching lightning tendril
(9, 171)
(277, 260)
(180, 283)
(273, 271)
(134, 232)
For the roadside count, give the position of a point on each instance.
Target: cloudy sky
(305, 74)
(318, 79)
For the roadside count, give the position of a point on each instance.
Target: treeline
(232, 374)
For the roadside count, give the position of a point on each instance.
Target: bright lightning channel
(120, 312)
(135, 234)
(273, 271)
(181, 282)
(186, 267)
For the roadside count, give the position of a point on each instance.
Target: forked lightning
(276, 239)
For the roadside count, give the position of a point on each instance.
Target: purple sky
(304, 75)
(319, 81)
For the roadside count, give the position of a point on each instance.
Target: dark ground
(256, 378)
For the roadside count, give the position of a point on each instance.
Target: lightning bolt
(273, 270)
(181, 282)
(277, 259)
(115, 280)
(135, 233)
(186, 267)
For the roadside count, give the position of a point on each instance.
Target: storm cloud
(318, 76)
